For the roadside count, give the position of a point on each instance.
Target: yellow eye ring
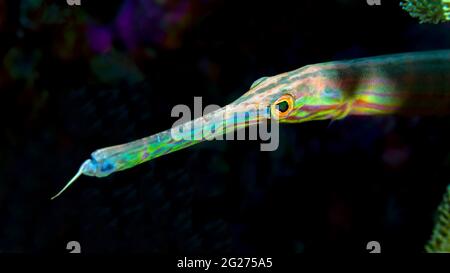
(282, 106)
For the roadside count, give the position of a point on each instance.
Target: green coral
(440, 240)
(434, 11)
(428, 11)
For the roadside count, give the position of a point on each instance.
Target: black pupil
(283, 106)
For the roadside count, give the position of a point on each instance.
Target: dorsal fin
(258, 81)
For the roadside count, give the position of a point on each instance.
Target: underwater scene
(213, 127)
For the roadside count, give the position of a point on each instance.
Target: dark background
(76, 79)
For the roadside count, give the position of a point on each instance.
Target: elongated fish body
(415, 83)
(411, 83)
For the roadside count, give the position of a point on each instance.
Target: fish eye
(283, 106)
